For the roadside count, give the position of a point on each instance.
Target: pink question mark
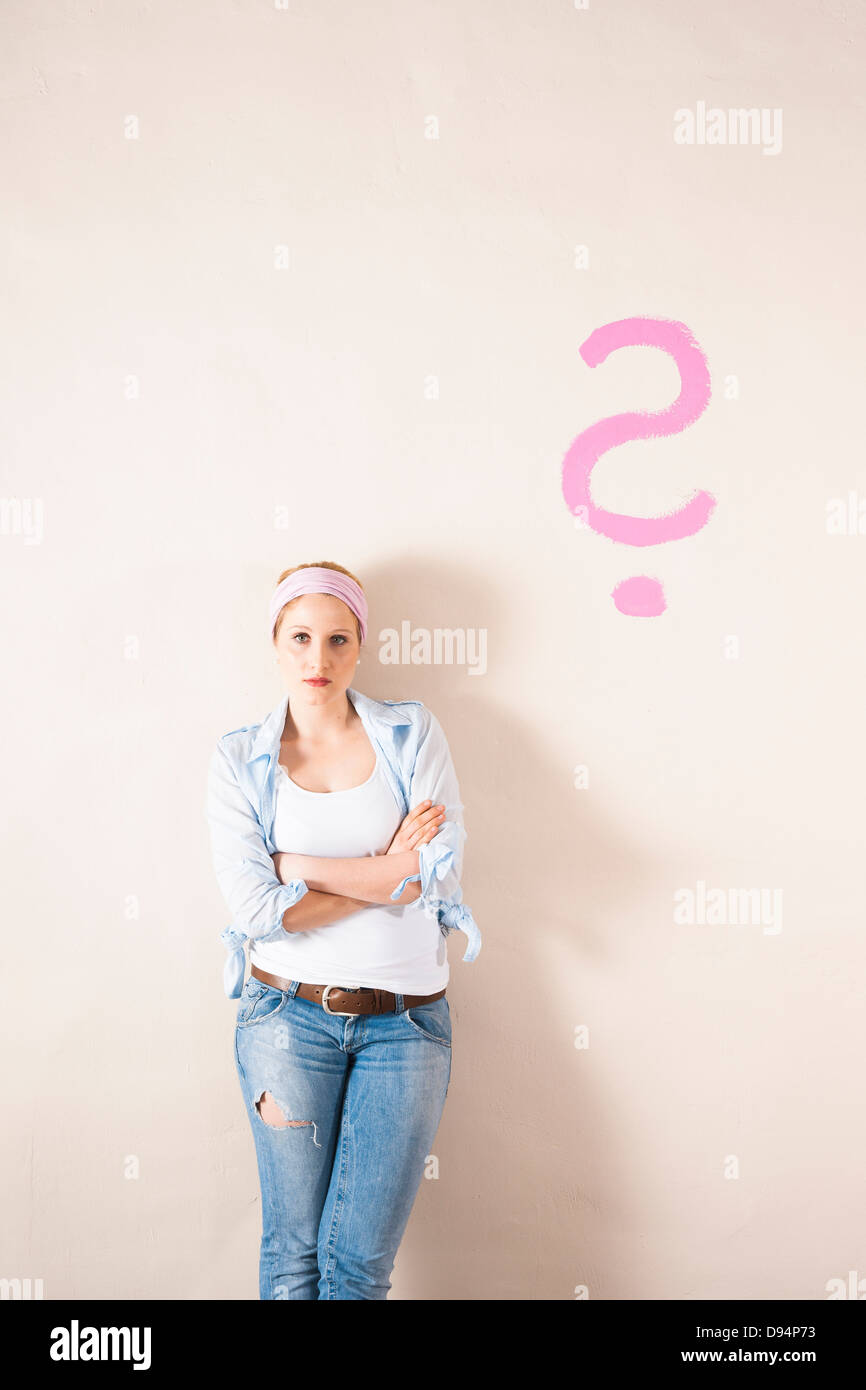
(640, 597)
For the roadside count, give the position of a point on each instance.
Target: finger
(426, 813)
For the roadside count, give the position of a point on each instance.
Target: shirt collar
(371, 711)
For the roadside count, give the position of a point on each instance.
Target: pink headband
(316, 579)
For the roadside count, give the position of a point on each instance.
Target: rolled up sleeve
(440, 862)
(244, 870)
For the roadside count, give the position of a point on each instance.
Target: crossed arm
(339, 887)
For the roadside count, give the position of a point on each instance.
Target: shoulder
(412, 709)
(413, 713)
(232, 763)
(397, 714)
(404, 725)
(235, 745)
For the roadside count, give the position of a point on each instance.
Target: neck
(318, 720)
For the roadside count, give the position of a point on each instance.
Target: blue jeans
(365, 1096)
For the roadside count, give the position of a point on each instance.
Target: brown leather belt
(365, 1001)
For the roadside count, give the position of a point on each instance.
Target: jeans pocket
(258, 1002)
(432, 1021)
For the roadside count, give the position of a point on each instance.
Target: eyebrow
(301, 627)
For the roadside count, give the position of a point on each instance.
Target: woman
(346, 895)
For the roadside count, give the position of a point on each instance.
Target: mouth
(319, 681)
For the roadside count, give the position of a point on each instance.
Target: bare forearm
(372, 879)
(316, 909)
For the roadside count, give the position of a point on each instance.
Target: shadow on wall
(530, 1150)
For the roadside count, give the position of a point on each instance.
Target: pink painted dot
(640, 597)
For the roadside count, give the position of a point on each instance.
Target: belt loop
(398, 1003)
(293, 988)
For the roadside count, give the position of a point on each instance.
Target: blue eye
(338, 637)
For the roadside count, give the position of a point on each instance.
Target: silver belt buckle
(346, 1013)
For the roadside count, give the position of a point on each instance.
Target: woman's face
(317, 638)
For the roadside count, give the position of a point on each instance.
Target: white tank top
(399, 947)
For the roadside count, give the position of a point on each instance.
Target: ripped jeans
(364, 1096)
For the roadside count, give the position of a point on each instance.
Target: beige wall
(191, 419)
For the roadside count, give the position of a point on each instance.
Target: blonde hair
(314, 564)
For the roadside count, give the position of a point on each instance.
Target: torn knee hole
(273, 1115)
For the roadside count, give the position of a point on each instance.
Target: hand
(418, 828)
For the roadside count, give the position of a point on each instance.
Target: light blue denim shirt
(241, 804)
